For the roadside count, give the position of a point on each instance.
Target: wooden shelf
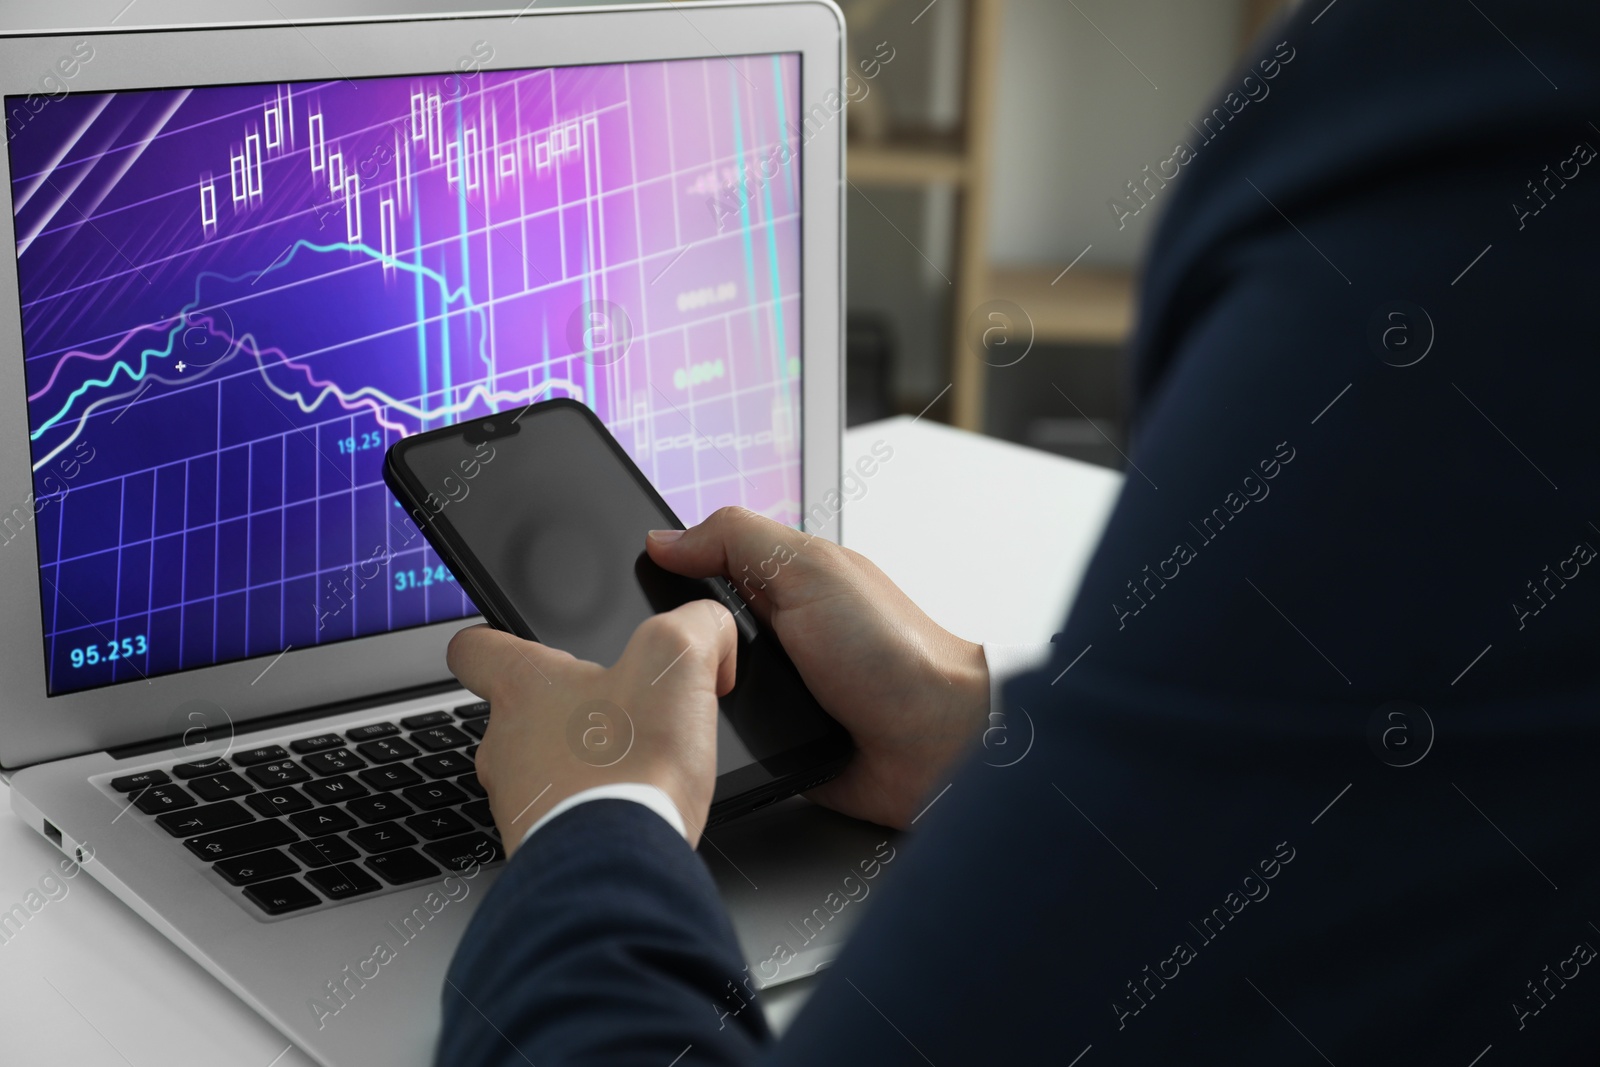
(906, 161)
(1088, 305)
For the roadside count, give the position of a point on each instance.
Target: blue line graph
(462, 293)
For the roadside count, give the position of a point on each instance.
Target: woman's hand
(912, 694)
(561, 725)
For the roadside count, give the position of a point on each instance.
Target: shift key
(239, 840)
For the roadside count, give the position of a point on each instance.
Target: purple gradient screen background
(234, 298)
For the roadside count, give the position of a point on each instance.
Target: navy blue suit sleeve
(603, 942)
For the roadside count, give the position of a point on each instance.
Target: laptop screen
(235, 298)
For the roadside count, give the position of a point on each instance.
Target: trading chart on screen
(235, 298)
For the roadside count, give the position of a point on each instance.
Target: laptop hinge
(189, 740)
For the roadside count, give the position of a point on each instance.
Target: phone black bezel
(738, 791)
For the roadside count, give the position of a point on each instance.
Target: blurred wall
(1076, 119)
(1076, 116)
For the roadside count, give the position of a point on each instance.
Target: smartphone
(542, 516)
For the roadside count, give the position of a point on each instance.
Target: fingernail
(664, 537)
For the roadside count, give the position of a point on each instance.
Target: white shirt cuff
(1007, 661)
(650, 796)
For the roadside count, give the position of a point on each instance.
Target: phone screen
(544, 519)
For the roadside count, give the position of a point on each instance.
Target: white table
(950, 518)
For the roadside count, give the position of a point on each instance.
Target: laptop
(248, 259)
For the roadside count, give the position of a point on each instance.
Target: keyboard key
(473, 711)
(476, 727)
(383, 837)
(335, 761)
(321, 821)
(439, 738)
(203, 819)
(200, 767)
(472, 753)
(387, 750)
(397, 776)
(436, 824)
(252, 837)
(478, 812)
(316, 744)
(381, 808)
(470, 783)
(265, 754)
(401, 866)
(159, 798)
(283, 772)
(256, 867)
(426, 719)
(344, 881)
(460, 853)
(371, 730)
(278, 801)
(221, 786)
(281, 895)
(339, 787)
(434, 795)
(128, 783)
(444, 765)
(323, 852)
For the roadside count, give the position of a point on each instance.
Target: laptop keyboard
(334, 816)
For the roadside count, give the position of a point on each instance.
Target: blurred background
(982, 168)
(990, 280)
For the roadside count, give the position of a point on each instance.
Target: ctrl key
(342, 881)
(281, 895)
